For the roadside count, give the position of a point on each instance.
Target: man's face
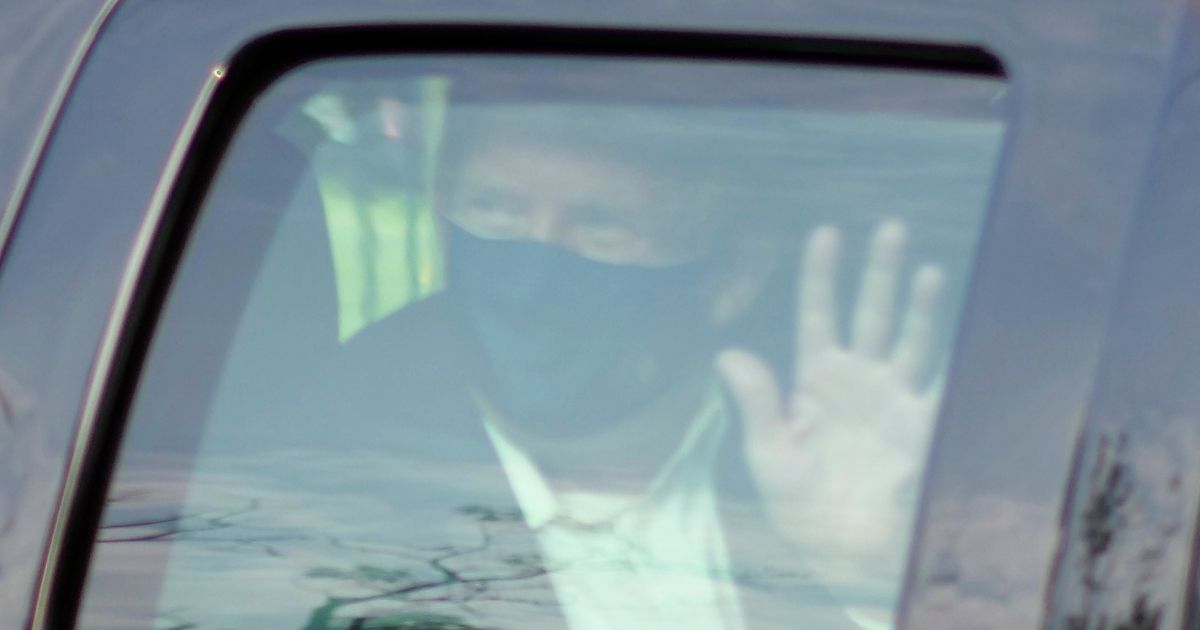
(585, 280)
(597, 207)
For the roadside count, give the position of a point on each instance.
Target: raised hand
(836, 454)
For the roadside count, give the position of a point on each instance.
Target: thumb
(754, 390)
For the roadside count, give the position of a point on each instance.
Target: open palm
(836, 453)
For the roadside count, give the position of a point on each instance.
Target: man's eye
(610, 241)
(607, 232)
(492, 215)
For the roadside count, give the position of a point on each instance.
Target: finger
(930, 400)
(914, 349)
(933, 391)
(816, 310)
(876, 305)
(754, 391)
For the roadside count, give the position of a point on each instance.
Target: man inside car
(599, 349)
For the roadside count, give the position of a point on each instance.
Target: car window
(549, 341)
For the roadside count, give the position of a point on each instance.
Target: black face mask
(568, 345)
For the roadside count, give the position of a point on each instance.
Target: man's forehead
(581, 186)
(665, 134)
(501, 160)
(706, 159)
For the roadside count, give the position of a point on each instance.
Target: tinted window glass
(549, 342)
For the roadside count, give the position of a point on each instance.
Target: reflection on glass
(668, 351)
